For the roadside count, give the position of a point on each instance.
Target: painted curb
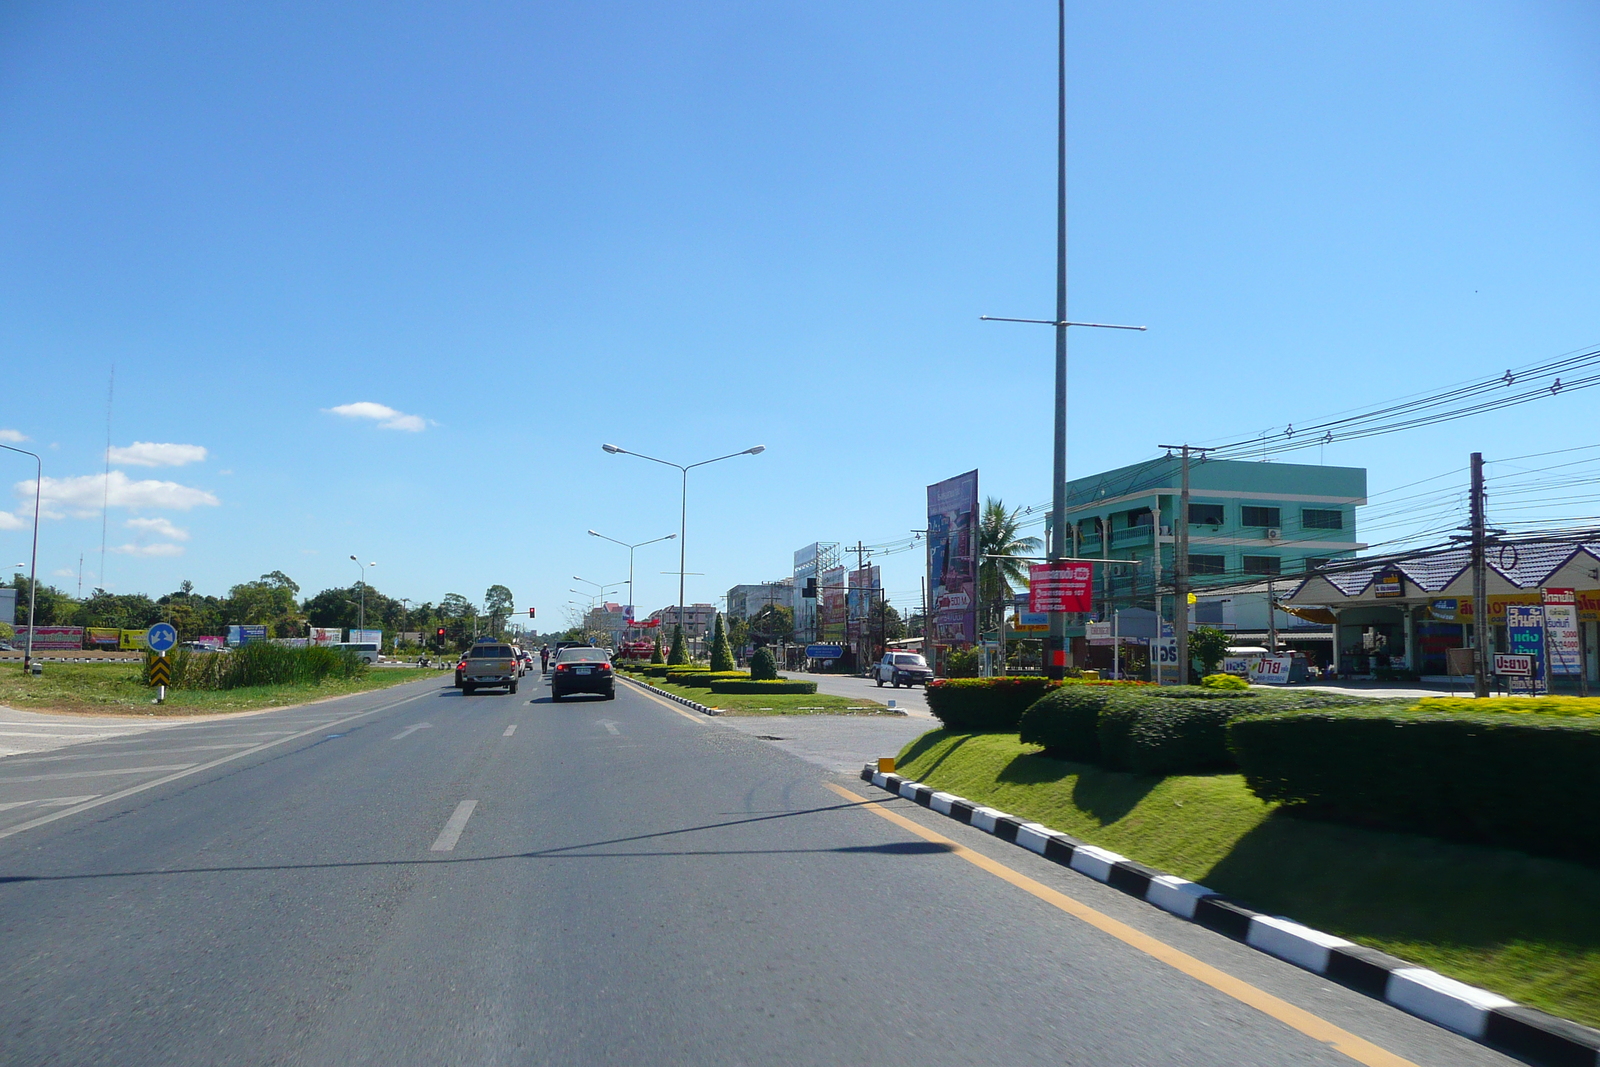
(685, 701)
(1486, 1017)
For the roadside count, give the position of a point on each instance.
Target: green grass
(773, 703)
(115, 689)
(1524, 927)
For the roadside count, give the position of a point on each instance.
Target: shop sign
(1444, 609)
(1561, 630)
(1239, 665)
(1098, 633)
(1525, 633)
(1389, 584)
(1271, 670)
(1033, 622)
(1061, 586)
(1513, 665)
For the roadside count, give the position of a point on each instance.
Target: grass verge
(774, 703)
(115, 689)
(1522, 926)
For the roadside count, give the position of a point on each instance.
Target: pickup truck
(902, 668)
(489, 664)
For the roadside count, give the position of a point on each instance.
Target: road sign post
(160, 677)
(160, 639)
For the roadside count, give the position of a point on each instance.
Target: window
(1208, 564)
(1262, 564)
(1263, 517)
(1205, 514)
(1319, 519)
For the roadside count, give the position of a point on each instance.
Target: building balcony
(1133, 535)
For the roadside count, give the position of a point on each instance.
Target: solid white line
(48, 801)
(510, 730)
(108, 773)
(17, 761)
(446, 841)
(131, 790)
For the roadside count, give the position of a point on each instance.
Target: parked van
(366, 650)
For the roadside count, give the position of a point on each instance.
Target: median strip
(1476, 1013)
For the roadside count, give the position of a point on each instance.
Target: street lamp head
(593, 534)
(672, 537)
(756, 451)
(357, 560)
(613, 449)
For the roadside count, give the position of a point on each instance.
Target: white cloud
(149, 550)
(82, 496)
(63, 572)
(9, 521)
(386, 417)
(151, 454)
(16, 437)
(160, 528)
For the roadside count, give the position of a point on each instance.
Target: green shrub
(984, 705)
(1520, 781)
(703, 679)
(1066, 722)
(655, 652)
(260, 663)
(1223, 681)
(769, 686)
(762, 666)
(962, 663)
(721, 652)
(1564, 706)
(680, 651)
(656, 670)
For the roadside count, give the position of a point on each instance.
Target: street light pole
(631, 602)
(33, 564)
(683, 512)
(362, 624)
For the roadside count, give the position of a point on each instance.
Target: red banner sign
(1061, 586)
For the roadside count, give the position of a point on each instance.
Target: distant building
(609, 618)
(745, 600)
(697, 619)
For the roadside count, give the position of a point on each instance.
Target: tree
(774, 622)
(893, 626)
(721, 654)
(998, 572)
(1208, 645)
(497, 604)
(680, 652)
(762, 666)
(655, 653)
(456, 606)
(738, 632)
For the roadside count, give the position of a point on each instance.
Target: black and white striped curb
(1477, 1013)
(685, 701)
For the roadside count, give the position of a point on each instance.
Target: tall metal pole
(1480, 584)
(33, 560)
(683, 538)
(1056, 646)
(1180, 575)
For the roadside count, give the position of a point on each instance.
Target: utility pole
(1480, 584)
(1180, 566)
(862, 620)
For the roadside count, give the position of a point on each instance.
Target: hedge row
(1547, 705)
(704, 679)
(1154, 730)
(1522, 781)
(733, 685)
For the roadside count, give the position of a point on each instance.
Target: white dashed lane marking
(446, 841)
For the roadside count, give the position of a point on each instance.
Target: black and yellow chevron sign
(160, 671)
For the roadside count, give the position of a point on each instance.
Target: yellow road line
(670, 706)
(1313, 1026)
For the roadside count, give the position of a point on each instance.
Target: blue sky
(525, 230)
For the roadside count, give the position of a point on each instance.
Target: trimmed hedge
(984, 705)
(1522, 782)
(1548, 705)
(733, 686)
(763, 668)
(1066, 722)
(703, 679)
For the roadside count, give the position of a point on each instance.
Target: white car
(902, 668)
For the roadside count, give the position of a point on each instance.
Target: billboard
(865, 586)
(366, 637)
(1561, 630)
(58, 638)
(952, 558)
(132, 641)
(243, 635)
(102, 636)
(324, 636)
(1061, 586)
(831, 603)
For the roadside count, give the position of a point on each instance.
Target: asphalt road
(418, 877)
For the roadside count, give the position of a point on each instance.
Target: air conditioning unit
(1273, 535)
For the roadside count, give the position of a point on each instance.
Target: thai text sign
(1061, 586)
(1270, 670)
(1513, 665)
(952, 558)
(1561, 630)
(103, 636)
(1525, 633)
(51, 637)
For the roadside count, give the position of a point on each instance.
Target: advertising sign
(131, 641)
(1061, 586)
(102, 636)
(1513, 665)
(1561, 630)
(366, 637)
(1389, 584)
(56, 638)
(1098, 633)
(831, 603)
(1164, 651)
(1270, 670)
(243, 635)
(952, 558)
(1525, 633)
(1239, 665)
(214, 644)
(323, 636)
(1444, 609)
(864, 586)
(1027, 622)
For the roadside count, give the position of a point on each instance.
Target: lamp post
(362, 624)
(683, 510)
(630, 548)
(33, 565)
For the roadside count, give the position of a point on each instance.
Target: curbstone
(1476, 1013)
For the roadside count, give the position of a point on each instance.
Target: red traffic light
(441, 631)
(530, 613)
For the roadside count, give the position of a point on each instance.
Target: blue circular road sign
(161, 637)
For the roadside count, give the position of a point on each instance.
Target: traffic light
(530, 613)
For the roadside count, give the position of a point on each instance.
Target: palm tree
(998, 574)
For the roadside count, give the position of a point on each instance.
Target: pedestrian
(544, 659)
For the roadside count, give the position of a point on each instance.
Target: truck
(490, 664)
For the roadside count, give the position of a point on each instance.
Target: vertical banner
(952, 558)
(1561, 630)
(831, 603)
(1525, 633)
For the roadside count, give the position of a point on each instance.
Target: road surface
(417, 877)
